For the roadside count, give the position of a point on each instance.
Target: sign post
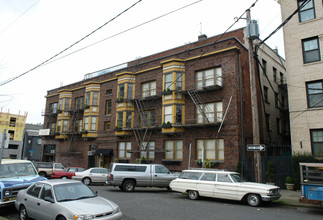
(257, 148)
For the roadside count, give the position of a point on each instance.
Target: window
(12, 134)
(93, 123)
(212, 112)
(88, 98)
(108, 107)
(120, 119)
(161, 169)
(67, 104)
(95, 98)
(108, 93)
(264, 66)
(65, 124)
(123, 149)
(174, 150)
(130, 168)
(281, 78)
(59, 125)
(35, 190)
(317, 142)
(307, 12)
(311, 51)
(148, 150)
(168, 114)
(148, 89)
(278, 126)
(179, 81)
(52, 128)
(213, 149)
(61, 104)
(275, 74)
(267, 118)
(266, 94)
(130, 91)
(53, 107)
(224, 178)
(46, 192)
(12, 122)
(78, 125)
(314, 94)
(276, 100)
(208, 177)
(79, 102)
(179, 114)
(121, 91)
(209, 77)
(190, 175)
(86, 123)
(148, 119)
(128, 119)
(107, 126)
(168, 81)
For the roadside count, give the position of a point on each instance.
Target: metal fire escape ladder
(198, 102)
(140, 135)
(72, 129)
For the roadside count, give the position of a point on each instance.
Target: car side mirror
(49, 199)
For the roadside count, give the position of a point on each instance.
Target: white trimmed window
(212, 111)
(148, 89)
(149, 150)
(174, 150)
(168, 113)
(93, 123)
(213, 149)
(209, 77)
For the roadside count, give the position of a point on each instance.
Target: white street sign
(256, 147)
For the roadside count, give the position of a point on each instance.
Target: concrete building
(14, 124)
(303, 45)
(174, 107)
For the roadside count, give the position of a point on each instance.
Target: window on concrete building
(281, 78)
(148, 89)
(212, 112)
(266, 94)
(311, 50)
(307, 12)
(317, 142)
(123, 148)
(148, 150)
(209, 77)
(13, 146)
(11, 134)
(264, 66)
(12, 122)
(275, 74)
(174, 150)
(276, 100)
(213, 149)
(267, 118)
(314, 94)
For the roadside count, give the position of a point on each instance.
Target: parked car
(15, 175)
(67, 173)
(128, 176)
(92, 175)
(224, 185)
(46, 169)
(64, 199)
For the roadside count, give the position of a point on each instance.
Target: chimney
(202, 37)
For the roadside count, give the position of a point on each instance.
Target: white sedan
(60, 199)
(224, 185)
(92, 175)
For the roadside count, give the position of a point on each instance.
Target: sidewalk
(291, 197)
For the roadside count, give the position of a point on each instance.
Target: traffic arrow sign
(256, 147)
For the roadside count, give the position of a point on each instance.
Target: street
(155, 203)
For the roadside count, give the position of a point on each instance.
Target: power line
(39, 65)
(124, 31)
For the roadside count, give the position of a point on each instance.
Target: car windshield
(236, 178)
(72, 191)
(16, 170)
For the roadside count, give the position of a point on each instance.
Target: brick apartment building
(170, 108)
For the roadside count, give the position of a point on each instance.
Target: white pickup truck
(128, 176)
(46, 169)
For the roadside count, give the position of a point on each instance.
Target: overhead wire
(72, 45)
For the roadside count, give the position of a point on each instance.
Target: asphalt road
(155, 203)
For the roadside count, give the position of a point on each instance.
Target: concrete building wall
(302, 118)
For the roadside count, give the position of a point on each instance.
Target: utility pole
(254, 104)
(2, 144)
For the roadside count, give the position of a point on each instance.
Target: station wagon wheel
(23, 213)
(192, 194)
(128, 186)
(86, 180)
(254, 200)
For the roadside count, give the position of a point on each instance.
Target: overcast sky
(32, 31)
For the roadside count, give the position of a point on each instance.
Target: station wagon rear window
(127, 168)
(190, 175)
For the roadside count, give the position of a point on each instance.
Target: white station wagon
(224, 185)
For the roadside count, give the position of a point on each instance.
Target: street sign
(256, 147)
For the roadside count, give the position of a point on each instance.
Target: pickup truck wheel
(86, 181)
(128, 186)
(192, 194)
(64, 177)
(44, 174)
(254, 200)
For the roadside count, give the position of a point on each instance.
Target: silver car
(60, 199)
(92, 175)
